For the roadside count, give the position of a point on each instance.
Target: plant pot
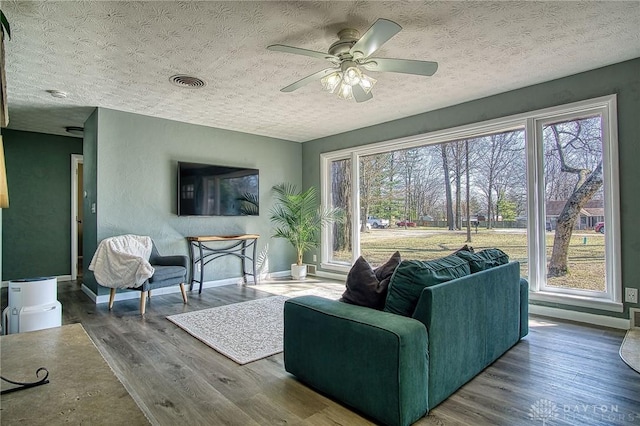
(298, 272)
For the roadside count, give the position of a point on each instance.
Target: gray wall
(89, 183)
(36, 235)
(622, 79)
(137, 182)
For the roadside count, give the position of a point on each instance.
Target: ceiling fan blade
(305, 52)
(406, 66)
(380, 32)
(308, 79)
(359, 94)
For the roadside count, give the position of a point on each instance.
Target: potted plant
(299, 220)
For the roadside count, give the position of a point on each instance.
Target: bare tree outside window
(341, 199)
(429, 189)
(573, 161)
(429, 200)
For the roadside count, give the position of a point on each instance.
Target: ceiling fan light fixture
(367, 83)
(352, 76)
(331, 82)
(345, 92)
(350, 56)
(342, 82)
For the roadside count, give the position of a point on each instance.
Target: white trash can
(33, 305)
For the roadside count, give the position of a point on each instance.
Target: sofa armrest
(471, 321)
(374, 361)
(176, 260)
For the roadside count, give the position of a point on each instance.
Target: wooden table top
(223, 237)
(82, 389)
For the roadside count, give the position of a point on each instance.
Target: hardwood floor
(562, 373)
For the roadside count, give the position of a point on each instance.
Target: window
(575, 154)
(339, 250)
(429, 197)
(574, 204)
(535, 185)
(188, 191)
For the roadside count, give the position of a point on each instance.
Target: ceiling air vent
(188, 81)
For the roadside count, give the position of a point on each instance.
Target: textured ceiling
(120, 55)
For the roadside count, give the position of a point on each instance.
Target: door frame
(76, 159)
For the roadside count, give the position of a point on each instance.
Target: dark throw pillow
(412, 276)
(465, 247)
(385, 271)
(368, 287)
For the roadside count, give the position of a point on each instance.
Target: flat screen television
(213, 190)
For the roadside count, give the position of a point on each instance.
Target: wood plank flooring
(570, 369)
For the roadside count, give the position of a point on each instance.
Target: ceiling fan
(352, 53)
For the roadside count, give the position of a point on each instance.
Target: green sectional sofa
(394, 368)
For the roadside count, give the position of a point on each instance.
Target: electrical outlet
(198, 267)
(631, 295)
(315, 258)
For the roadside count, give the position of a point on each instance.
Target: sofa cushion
(493, 257)
(163, 273)
(412, 276)
(368, 287)
(477, 263)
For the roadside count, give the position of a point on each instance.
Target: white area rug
(246, 331)
(630, 349)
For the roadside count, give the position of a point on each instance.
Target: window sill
(574, 300)
(335, 269)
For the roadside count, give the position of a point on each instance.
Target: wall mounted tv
(212, 190)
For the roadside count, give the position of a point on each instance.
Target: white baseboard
(86, 290)
(134, 294)
(602, 320)
(279, 274)
(332, 275)
(59, 278)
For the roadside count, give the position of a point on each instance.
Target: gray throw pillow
(368, 287)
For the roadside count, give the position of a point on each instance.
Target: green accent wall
(136, 191)
(36, 228)
(622, 79)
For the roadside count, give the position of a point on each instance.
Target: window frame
(531, 122)
(326, 252)
(611, 298)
